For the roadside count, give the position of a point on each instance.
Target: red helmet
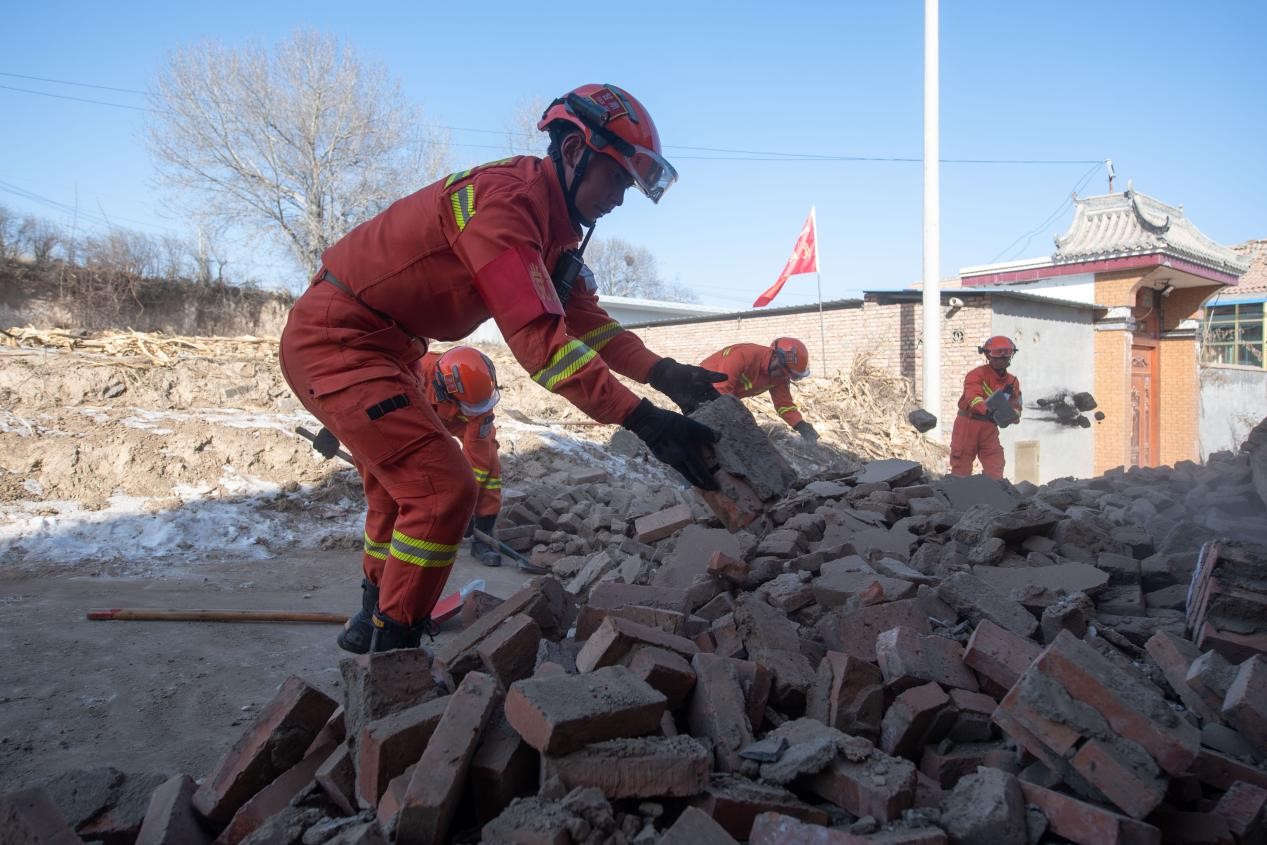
(467, 376)
(792, 356)
(998, 347)
(615, 124)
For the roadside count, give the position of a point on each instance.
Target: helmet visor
(483, 407)
(651, 173)
(795, 376)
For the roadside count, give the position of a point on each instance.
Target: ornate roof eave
(1131, 224)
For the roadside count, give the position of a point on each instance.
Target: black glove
(807, 431)
(688, 386)
(676, 440)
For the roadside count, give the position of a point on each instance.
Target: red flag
(804, 260)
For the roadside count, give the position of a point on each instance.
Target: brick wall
(1179, 403)
(889, 333)
(1117, 289)
(1113, 395)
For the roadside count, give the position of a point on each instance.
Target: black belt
(324, 275)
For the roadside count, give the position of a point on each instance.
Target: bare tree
(301, 144)
(623, 269)
(40, 238)
(10, 243)
(522, 135)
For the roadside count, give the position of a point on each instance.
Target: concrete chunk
(560, 714)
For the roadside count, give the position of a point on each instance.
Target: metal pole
(932, 220)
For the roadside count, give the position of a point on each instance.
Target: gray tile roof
(1131, 223)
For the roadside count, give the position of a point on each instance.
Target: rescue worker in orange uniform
(461, 385)
(501, 241)
(976, 431)
(751, 369)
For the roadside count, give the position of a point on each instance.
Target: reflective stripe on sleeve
(463, 201)
(745, 381)
(488, 482)
(422, 552)
(569, 358)
(601, 336)
(785, 409)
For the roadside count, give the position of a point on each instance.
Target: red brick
(963, 760)
(337, 778)
(503, 768)
(1133, 710)
(998, 654)
(1173, 655)
(847, 694)
(734, 802)
(658, 525)
(376, 685)
(1245, 706)
(908, 658)
(855, 632)
(29, 817)
(1120, 782)
(726, 639)
(666, 671)
(722, 565)
(776, 829)
(276, 740)
(170, 818)
(1220, 771)
(1210, 676)
(838, 588)
(1244, 807)
(558, 715)
(616, 637)
(735, 502)
(434, 791)
(792, 674)
(646, 767)
(695, 827)
(973, 720)
(1087, 824)
(275, 797)
(388, 746)
(510, 653)
(1235, 647)
(611, 595)
(866, 782)
(756, 682)
(914, 719)
(541, 599)
(476, 605)
(718, 710)
(393, 797)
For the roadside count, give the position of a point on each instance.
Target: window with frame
(1234, 335)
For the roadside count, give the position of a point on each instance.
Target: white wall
(1079, 287)
(1233, 401)
(1055, 352)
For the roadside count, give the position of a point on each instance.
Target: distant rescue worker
(501, 240)
(462, 386)
(991, 399)
(751, 369)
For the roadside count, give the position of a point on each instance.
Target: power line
(79, 84)
(1029, 236)
(728, 154)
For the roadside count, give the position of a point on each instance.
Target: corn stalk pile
(157, 348)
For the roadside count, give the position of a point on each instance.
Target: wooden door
(1144, 418)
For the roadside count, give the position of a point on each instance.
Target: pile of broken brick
(879, 658)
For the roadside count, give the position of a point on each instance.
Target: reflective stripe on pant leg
(990, 450)
(435, 491)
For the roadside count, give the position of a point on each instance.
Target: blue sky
(1172, 92)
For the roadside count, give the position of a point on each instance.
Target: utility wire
(729, 154)
(1051, 218)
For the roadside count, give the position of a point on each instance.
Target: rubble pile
(885, 658)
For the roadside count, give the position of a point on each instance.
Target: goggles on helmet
(483, 407)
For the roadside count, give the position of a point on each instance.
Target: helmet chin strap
(569, 191)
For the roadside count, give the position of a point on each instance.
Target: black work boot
(390, 634)
(357, 633)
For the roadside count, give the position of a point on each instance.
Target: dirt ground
(151, 472)
(168, 697)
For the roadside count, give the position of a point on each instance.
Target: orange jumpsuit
(478, 436)
(436, 264)
(975, 434)
(747, 369)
